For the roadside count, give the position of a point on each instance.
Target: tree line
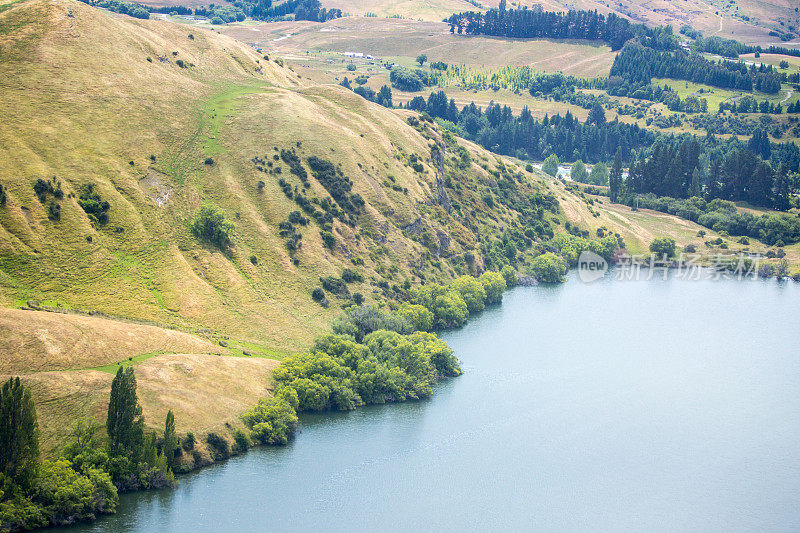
(574, 24)
(93, 468)
(639, 64)
(526, 137)
(706, 169)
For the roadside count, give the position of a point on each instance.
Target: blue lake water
(617, 405)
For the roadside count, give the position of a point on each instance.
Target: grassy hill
(159, 119)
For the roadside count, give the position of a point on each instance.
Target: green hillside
(117, 131)
(157, 120)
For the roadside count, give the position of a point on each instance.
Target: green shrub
(218, 447)
(472, 292)
(94, 206)
(510, 275)
(663, 247)
(328, 240)
(67, 496)
(189, 441)
(420, 318)
(273, 420)
(335, 286)
(241, 440)
(339, 373)
(209, 225)
(494, 284)
(359, 321)
(550, 165)
(448, 307)
(407, 79)
(579, 172)
(548, 268)
(352, 276)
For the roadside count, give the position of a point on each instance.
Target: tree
(19, 433)
(550, 165)
(448, 307)
(615, 177)
(421, 59)
(420, 318)
(209, 224)
(273, 420)
(124, 424)
(472, 291)
(494, 284)
(510, 275)
(597, 115)
(663, 247)
(599, 174)
(579, 172)
(170, 439)
(548, 268)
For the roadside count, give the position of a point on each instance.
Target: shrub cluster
(449, 303)
(340, 373)
(337, 184)
(410, 80)
(94, 206)
(209, 225)
(722, 215)
(295, 165)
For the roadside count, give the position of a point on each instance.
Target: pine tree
(170, 439)
(19, 433)
(597, 115)
(124, 424)
(615, 177)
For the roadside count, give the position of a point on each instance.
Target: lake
(617, 405)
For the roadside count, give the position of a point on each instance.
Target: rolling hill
(117, 131)
(158, 119)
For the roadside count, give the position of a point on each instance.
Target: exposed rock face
(437, 155)
(444, 243)
(415, 228)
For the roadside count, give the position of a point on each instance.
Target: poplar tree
(19, 433)
(124, 424)
(170, 439)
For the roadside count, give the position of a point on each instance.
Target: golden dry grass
(204, 392)
(34, 341)
(404, 40)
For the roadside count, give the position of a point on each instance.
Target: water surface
(651, 405)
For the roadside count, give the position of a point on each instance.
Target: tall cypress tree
(170, 439)
(615, 177)
(19, 433)
(124, 424)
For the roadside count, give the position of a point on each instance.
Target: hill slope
(157, 119)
